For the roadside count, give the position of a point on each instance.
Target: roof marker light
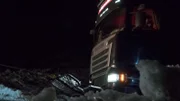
(117, 1)
(104, 5)
(104, 12)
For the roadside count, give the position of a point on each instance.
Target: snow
(152, 85)
(7, 94)
(47, 94)
(110, 95)
(152, 82)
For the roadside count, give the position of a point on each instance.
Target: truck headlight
(113, 77)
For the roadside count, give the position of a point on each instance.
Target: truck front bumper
(130, 86)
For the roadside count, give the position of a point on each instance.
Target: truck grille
(99, 66)
(100, 62)
(100, 54)
(100, 58)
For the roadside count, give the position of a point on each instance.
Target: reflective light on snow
(137, 60)
(138, 55)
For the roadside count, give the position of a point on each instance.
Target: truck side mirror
(140, 19)
(92, 32)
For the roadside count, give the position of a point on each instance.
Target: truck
(125, 31)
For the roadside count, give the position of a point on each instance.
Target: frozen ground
(153, 80)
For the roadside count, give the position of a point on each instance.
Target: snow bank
(152, 79)
(7, 94)
(47, 94)
(152, 85)
(110, 95)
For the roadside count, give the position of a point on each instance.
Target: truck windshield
(113, 21)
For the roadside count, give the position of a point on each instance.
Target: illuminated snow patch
(7, 94)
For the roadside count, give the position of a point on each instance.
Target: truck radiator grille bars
(100, 58)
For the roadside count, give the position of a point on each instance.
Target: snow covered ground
(152, 84)
(7, 94)
(48, 94)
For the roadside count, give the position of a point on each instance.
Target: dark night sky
(46, 33)
(53, 33)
